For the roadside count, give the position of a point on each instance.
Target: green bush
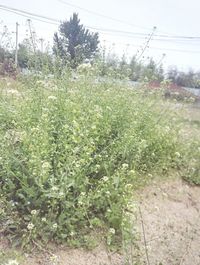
(71, 153)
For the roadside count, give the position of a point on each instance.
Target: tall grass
(72, 152)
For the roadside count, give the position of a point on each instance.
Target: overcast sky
(171, 17)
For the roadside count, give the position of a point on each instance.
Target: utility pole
(16, 47)
(31, 34)
(104, 55)
(42, 44)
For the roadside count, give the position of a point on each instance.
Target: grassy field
(72, 153)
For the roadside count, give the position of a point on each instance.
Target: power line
(51, 20)
(33, 16)
(29, 13)
(175, 50)
(101, 15)
(181, 42)
(54, 21)
(145, 34)
(155, 48)
(108, 17)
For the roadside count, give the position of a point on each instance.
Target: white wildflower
(112, 230)
(34, 129)
(61, 194)
(167, 128)
(44, 219)
(52, 97)
(177, 154)
(124, 165)
(30, 226)
(80, 202)
(45, 165)
(129, 186)
(45, 109)
(72, 233)
(107, 107)
(40, 82)
(33, 212)
(54, 188)
(55, 226)
(105, 178)
(13, 92)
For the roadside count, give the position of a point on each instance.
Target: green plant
(75, 43)
(71, 154)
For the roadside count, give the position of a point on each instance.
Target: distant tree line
(185, 79)
(74, 45)
(133, 69)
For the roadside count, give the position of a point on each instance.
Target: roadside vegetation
(75, 146)
(72, 152)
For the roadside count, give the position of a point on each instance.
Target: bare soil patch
(68, 256)
(171, 213)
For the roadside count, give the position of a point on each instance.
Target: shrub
(71, 154)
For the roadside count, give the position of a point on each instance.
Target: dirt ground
(65, 256)
(170, 213)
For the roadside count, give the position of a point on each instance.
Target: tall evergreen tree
(75, 42)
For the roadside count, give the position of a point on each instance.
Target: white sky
(172, 17)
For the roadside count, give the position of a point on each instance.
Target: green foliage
(7, 67)
(5, 54)
(71, 153)
(31, 59)
(75, 43)
(184, 79)
(23, 56)
(152, 72)
(134, 70)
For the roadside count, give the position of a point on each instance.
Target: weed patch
(72, 152)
